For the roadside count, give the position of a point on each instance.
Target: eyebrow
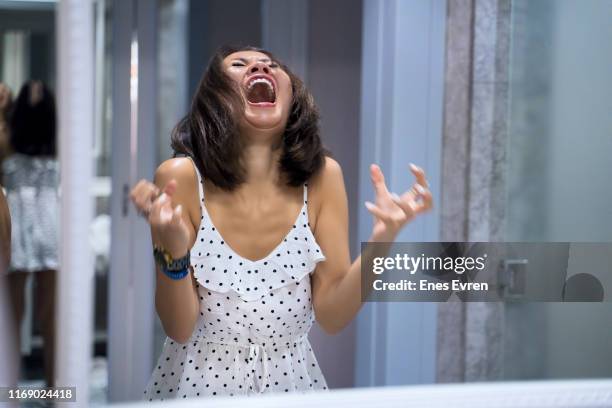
(245, 60)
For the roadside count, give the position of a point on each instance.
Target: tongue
(260, 93)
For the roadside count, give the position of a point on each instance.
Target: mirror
(379, 100)
(558, 140)
(30, 177)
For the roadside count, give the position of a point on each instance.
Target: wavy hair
(209, 133)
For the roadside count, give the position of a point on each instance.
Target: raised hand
(391, 212)
(168, 227)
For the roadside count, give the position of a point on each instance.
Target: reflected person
(31, 176)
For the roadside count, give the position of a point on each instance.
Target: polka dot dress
(251, 335)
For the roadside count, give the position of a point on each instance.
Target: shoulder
(180, 169)
(330, 177)
(327, 188)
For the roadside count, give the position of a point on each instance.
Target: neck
(261, 163)
(260, 160)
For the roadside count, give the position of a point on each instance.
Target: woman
(31, 181)
(239, 226)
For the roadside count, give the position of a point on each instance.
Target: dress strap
(306, 193)
(200, 181)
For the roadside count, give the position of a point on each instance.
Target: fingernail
(369, 205)
(413, 166)
(420, 188)
(395, 196)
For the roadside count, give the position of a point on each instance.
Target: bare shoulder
(179, 168)
(329, 178)
(182, 170)
(327, 187)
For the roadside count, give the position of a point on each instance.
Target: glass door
(559, 171)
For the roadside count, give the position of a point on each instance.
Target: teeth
(262, 80)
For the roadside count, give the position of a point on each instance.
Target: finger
(152, 194)
(411, 196)
(177, 215)
(136, 191)
(406, 205)
(166, 214)
(419, 173)
(155, 212)
(415, 192)
(140, 203)
(428, 204)
(426, 199)
(143, 194)
(377, 212)
(170, 187)
(154, 191)
(148, 195)
(378, 180)
(420, 197)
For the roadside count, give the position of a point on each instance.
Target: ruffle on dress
(224, 270)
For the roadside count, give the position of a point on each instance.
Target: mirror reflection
(243, 151)
(29, 170)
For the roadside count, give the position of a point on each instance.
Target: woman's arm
(170, 216)
(5, 232)
(337, 282)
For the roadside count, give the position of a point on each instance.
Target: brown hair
(33, 128)
(209, 132)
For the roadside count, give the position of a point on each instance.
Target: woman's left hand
(391, 211)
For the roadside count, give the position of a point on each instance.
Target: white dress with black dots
(251, 335)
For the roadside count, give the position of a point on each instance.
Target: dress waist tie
(257, 351)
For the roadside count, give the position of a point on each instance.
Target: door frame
(401, 122)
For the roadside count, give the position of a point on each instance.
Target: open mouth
(260, 91)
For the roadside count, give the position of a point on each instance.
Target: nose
(259, 67)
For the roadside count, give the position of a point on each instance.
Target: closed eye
(237, 64)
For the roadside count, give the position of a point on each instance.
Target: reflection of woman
(258, 215)
(31, 181)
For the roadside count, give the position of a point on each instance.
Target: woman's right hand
(168, 227)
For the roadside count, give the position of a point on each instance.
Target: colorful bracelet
(174, 269)
(174, 274)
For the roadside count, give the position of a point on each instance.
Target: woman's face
(266, 89)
